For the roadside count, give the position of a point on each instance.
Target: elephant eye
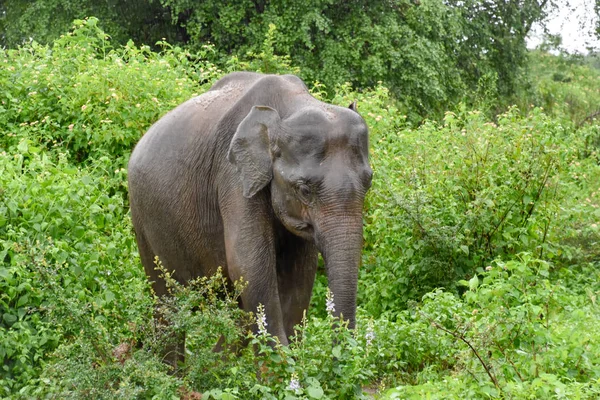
(304, 191)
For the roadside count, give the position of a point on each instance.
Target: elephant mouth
(297, 226)
(303, 229)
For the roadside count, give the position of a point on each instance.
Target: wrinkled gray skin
(256, 176)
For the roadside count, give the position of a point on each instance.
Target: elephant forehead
(303, 144)
(320, 113)
(313, 151)
(323, 126)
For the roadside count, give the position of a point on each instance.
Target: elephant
(255, 176)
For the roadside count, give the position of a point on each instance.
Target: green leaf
(23, 146)
(473, 282)
(109, 296)
(23, 300)
(465, 249)
(315, 392)
(337, 351)
(10, 318)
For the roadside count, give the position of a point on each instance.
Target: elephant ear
(249, 148)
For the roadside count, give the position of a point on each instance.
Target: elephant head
(315, 164)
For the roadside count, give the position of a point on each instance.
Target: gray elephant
(256, 176)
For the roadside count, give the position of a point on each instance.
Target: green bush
(129, 364)
(325, 360)
(66, 251)
(522, 336)
(86, 97)
(447, 199)
(566, 87)
(431, 54)
(144, 21)
(575, 232)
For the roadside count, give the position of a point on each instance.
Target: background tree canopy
(144, 21)
(431, 54)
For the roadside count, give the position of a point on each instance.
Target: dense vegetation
(480, 273)
(431, 54)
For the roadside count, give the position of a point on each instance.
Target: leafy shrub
(130, 365)
(263, 59)
(517, 330)
(568, 91)
(565, 87)
(86, 97)
(325, 360)
(448, 199)
(44, 21)
(431, 54)
(407, 46)
(66, 251)
(575, 232)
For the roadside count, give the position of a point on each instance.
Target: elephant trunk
(340, 241)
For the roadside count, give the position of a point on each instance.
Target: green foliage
(144, 21)
(130, 365)
(263, 60)
(85, 97)
(449, 198)
(431, 54)
(66, 250)
(567, 88)
(574, 234)
(522, 336)
(326, 360)
(494, 41)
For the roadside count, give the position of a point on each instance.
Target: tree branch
(462, 338)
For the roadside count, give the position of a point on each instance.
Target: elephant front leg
(251, 255)
(296, 270)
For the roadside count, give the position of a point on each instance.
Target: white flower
(261, 320)
(370, 335)
(294, 383)
(329, 304)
